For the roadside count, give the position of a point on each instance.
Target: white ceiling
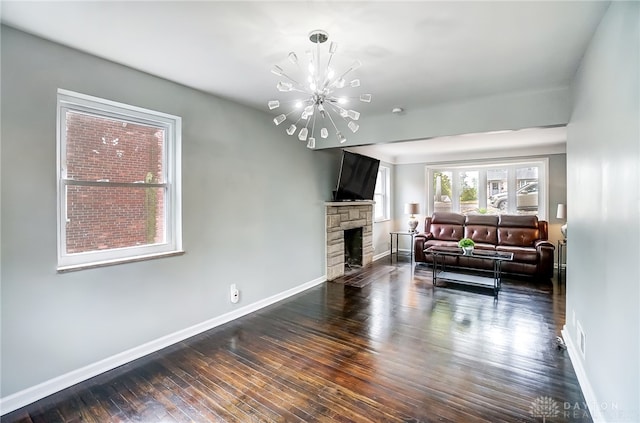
(414, 53)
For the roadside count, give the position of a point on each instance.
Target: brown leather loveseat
(524, 236)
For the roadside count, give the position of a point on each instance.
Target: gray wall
(408, 188)
(557, 194)
(249, 195)
(603, 162)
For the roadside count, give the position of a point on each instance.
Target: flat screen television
(357, 178)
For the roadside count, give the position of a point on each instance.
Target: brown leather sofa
(524, 236)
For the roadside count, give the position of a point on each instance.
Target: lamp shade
(411, 208)
(561, 213)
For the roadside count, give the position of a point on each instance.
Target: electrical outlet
(234, 293)
(582, 340)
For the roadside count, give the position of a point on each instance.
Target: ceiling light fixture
(316, 96)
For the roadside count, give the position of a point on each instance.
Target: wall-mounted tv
(357, 179)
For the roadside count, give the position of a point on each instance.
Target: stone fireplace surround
(339, 217)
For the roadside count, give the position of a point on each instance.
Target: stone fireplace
(343, 216)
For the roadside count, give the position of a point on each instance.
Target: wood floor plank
(381, 344)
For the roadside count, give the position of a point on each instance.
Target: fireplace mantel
(342, 215)
(348, 203)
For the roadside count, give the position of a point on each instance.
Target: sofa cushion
(520, 254)
(481, 219)
(481, 228)
(448, 217)
(447, 232)
(447, 226)
(518, 237)
(439, 243)
(518, 221)
(486, 234)
(518, 230)
(483, 246)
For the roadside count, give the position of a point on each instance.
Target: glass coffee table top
(479, 253)
(464, 277)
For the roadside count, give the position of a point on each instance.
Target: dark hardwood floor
(395, 349)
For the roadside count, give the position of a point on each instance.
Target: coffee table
(459, 275)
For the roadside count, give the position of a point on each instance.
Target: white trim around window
(382, 195)
(477, 175)
(167, 182)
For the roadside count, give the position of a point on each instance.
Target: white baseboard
(381, 255)
(583, 380)
(404, 251)
(51, 386)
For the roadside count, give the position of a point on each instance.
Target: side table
(562, 246)
(397, 234)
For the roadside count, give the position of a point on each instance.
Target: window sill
(75, 267)
(382, 220)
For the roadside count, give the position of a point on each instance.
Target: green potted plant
(467, 245)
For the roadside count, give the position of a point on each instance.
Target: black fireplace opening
(352, 248)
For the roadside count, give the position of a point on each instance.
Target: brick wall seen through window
(116, 151)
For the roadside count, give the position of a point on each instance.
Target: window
(118, 182)
(442, 190)
(491, 188)
(381, 195)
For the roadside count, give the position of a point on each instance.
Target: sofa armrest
(546, 254)
(544, 243)
(418, 246)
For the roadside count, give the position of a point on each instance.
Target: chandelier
(317, 95)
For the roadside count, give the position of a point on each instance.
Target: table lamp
(561, 213)
(412, 209)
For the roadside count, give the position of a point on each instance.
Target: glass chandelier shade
(320, 94)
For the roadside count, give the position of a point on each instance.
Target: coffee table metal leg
(435, 267)
(497, 277)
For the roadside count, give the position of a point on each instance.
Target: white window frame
(384, 179)
(76, 102)
(543, 181)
